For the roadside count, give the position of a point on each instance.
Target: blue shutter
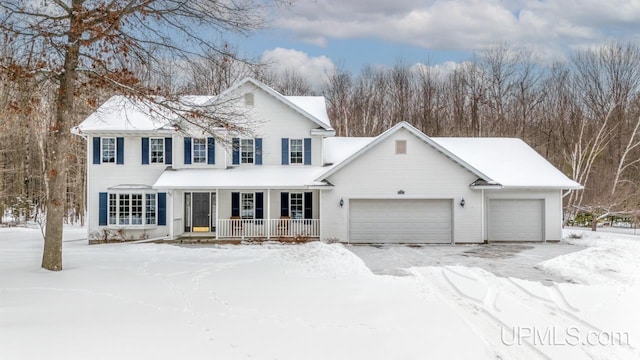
(308, 205)
(259, 205)
(235, 204)
(285, 151)
(168, 151)
(258, 155)
(102, 209)
(96, 150)
(307, 151)
(187, 150)
(284, 204)
(120, 150)
(145, 151)
(235, 145)
(162, 209)
(211, 150)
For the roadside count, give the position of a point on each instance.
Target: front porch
(245, 215)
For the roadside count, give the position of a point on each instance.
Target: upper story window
(156, 152)
(247, 151)
(200, 151)
(108, 149)
(296, 154)
(296, 151)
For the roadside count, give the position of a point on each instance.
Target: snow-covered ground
(313, 301)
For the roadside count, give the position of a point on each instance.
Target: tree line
(583, 114)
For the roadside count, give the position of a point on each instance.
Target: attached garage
(516, 220)
(420, 221)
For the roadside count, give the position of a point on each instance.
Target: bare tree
(81, 45)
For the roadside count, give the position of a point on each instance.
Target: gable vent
(248, 99)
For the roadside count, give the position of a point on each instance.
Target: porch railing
(268, 228)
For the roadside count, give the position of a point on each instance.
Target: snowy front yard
(313, 301)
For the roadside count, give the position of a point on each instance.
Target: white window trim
(290, 152)
(290, 207)
(115, 150)
(143, 224)
(151, 152)
(193, 151)
(253, 141)
(253, 210)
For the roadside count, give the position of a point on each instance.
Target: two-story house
(149, 177)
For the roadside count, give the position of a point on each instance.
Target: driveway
(504, 260)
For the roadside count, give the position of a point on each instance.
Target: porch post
(267, 228)
(216, 219)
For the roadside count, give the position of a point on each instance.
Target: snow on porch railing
(268, 228)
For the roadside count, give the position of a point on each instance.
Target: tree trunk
(594, 221)
(59, 141)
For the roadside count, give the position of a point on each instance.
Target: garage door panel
(400, 221)
(516, 220)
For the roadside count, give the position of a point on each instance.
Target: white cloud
(314, 69)
(464, 24)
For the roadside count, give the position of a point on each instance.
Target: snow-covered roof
(311, 107)
(337, 149)
(508, 161)
(121, 113)
(314, 105)
(419, 134)
(505, 162)
(249, 177)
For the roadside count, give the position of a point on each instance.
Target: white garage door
(516, 220)
(400, 221)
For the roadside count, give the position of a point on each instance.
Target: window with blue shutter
(308, 205)
(145, 151)
(235, 204)
(187, 150)
(235, 148)
(307, 151)
(258, 142)
(284, 204)
(120, 150)
(259, 205)
(96, 150)
(102, 209)
(168, 151)
(285, 151)
(211, 150)
(162, 209)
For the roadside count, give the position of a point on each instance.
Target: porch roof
(249, 177)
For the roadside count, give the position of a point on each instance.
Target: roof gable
(419, 134)
(311, 107)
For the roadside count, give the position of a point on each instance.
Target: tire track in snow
(484, 293)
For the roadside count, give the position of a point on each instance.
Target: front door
(201, 208)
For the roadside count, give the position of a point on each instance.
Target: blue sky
(314, 36)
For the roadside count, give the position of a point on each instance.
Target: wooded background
(582, 114)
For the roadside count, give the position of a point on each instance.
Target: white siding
(103, 176)
(422, 173)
